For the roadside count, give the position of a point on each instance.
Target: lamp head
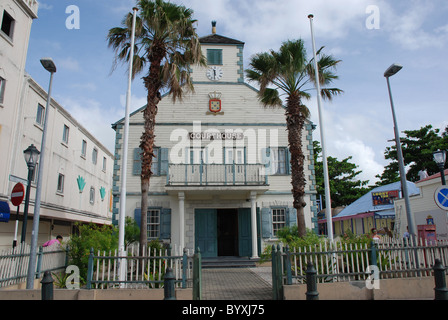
(31, 154)
(440, 157)
(48, 64)
(393, 69)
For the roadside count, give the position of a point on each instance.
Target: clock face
(214, 73)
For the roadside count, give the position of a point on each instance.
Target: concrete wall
(97, 294)
(390, 289)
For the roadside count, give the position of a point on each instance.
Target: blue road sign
(441, 197)
(4, 211)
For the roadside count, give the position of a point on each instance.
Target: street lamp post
(49, 65)
(440, 158)
(392, 70)
(31, 155)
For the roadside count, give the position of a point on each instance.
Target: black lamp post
(440, 158)
(31, 155)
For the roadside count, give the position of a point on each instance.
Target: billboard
(382, 198)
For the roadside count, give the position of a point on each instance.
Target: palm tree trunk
(295, 121)
(152, 83)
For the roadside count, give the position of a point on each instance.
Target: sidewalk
(236, 284)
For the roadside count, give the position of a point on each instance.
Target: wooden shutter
(165, 223)
(266, 223)
(137, 166)
(163, 153)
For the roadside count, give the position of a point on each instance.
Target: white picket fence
(142, 271)
(339, 261)
(14, 263)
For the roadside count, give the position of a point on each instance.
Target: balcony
(216, 175)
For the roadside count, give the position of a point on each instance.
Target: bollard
(311, 283)
(441, 291)
(47, 286)
(169, 279)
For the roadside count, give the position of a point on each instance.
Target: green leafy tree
(131, 231)
(288, 72)
(345, 187)
(167, 42)
(418, 147)
(90, 236)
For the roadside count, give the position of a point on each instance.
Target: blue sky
(367, 35)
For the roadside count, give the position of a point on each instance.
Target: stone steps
(228, 262)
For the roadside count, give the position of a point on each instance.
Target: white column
(181, 196)
(253, 215)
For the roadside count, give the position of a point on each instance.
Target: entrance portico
(221, 221)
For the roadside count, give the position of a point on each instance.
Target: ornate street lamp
(31, 155)
(440, 158)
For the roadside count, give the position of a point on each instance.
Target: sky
(367, 35)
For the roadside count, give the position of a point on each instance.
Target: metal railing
(14, 263)
(338, 261)
(144, 271)
(216, 174)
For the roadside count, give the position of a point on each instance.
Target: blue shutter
(137, 166)
(138, 217)
(165, 223)
(291, 216)
(163, 161)
(266, 223)
(266, 159)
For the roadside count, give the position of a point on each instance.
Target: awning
(386, 214)
(4, 211)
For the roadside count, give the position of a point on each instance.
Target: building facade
(424, 207)
(77, 170)
(375, 209)
(221, 178)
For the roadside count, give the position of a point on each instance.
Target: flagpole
(322, 137)
(124, 160)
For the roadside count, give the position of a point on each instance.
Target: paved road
(236, 284)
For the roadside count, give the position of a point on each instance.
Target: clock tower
(224, 60)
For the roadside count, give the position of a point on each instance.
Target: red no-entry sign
(17, 194)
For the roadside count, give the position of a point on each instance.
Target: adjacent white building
(77, 170)
(424, 207)
(221, 176)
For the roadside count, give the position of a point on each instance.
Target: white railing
(216, 174)
(339, 261)
(142, 271)
(14, 263)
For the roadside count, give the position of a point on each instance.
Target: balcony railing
(216, 175)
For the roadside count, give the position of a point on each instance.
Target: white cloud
(90, 114)
(412, 27)
(136, 102)
(69, 63)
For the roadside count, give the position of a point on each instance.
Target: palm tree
(289, 73)
(166, 40)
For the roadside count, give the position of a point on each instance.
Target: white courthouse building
(73, 157)
(222, 175)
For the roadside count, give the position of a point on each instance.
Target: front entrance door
(206, 227)
(244, 232)
(223, 232)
